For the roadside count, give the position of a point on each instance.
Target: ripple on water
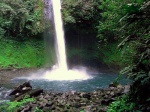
(4, 94)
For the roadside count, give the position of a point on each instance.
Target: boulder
(35, 92)
(26, 109)
(112, 85)
(86, 95)
(106, 101)
(27, 84)
(21, 89)
(126, 89)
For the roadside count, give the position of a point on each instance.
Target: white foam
(57, 74)
(60, 74)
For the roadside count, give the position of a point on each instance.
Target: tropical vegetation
(115, 32)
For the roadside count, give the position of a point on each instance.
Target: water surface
(98, 81)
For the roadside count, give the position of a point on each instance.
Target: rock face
(96, 101)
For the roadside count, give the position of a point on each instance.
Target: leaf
(139, 1)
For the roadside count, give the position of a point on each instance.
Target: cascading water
(60, 71)
(59, 31)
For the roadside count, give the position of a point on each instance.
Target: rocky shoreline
(72, 101)
(50, 101)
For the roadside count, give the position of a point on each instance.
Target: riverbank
(7, 74)
(71, 101)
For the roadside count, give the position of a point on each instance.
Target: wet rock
(47, 96)
(33, 105)
(49, 104)
(53, 107)
(25, 89)
(106, 101)
(96, 101)
(46, 109)
(86, 95)
(112, 93)
(87, 108)
(102, 109)
(27, 84)
(126, 89)
(112, 88)
(120, 88)
(77, 98)
(21, 89)
(43, 105)
(19, 98)
(14, 92)
(26, 109)
(83, 104)
(36, 92)
(112, 85)
(108, 92)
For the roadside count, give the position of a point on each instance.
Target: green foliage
(131, 8)
(82, 111)
(79, 11)
(111, 55)
(116, 81)
(138, 38)
(13, 106)
(21, 54)
(128, 22)
(80, 55)
(109, 25)
(108, 32)
(81, 15)
(122, 105)
(21, 18)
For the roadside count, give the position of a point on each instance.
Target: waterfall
(59, 33)
(60, 71)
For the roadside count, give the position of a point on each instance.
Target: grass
(23, 54)
(14, 106)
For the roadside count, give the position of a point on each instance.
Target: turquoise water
(98, 81)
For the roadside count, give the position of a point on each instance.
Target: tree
(21, 18)
(138, 38)
(128, 23)
(81, 14)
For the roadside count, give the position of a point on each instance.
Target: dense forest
(103, 33)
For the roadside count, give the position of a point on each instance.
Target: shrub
(122, 105)
(13, 106)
